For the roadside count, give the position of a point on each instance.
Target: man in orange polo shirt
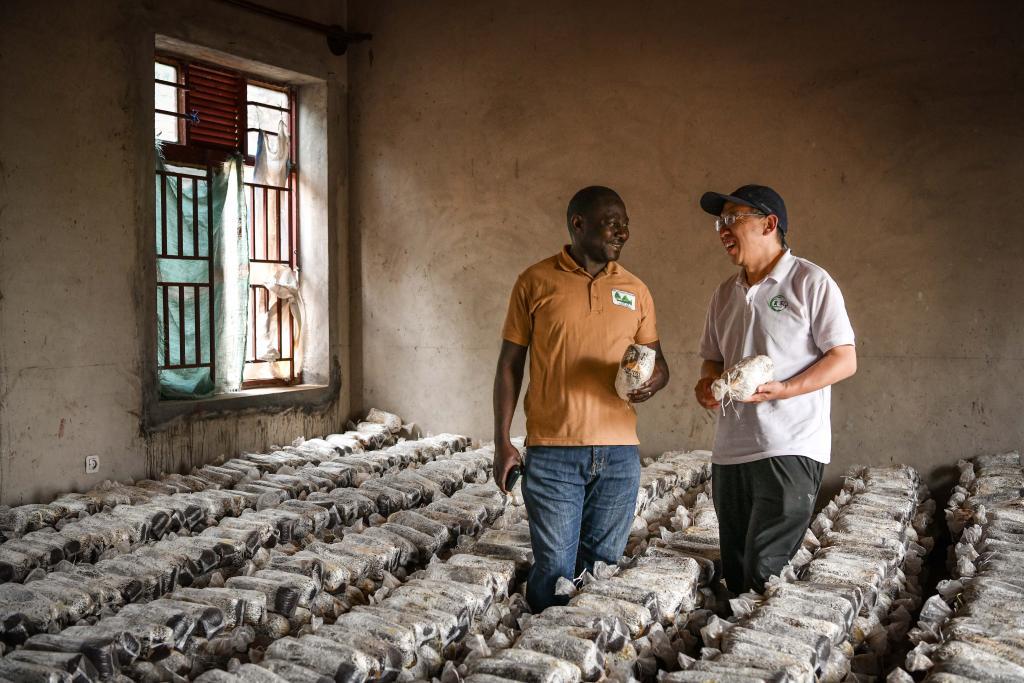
(576, 313)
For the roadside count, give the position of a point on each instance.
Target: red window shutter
(217, 97)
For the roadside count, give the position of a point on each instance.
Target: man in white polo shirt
(770, 452)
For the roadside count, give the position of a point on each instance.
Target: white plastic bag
(389, 420)
(739, 382)
(635, 368)
(282, 285)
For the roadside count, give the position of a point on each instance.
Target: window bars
(203, 114)
(185, 289)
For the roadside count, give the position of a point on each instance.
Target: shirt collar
(777, 274)
(567, 263)
(782, 267)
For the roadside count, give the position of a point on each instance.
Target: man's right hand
(703, 393)
(506, 456)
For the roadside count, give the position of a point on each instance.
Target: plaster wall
(892, 130)
(76, 214)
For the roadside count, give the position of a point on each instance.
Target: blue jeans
(581, 501)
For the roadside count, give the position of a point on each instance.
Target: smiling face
(602, 231)
(748, 237)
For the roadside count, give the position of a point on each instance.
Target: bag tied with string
(739, 382)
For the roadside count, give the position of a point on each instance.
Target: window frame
(294, 219)
(185, 152)
(179, 92)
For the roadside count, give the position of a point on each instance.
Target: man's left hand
(770, 391)
(652, 386)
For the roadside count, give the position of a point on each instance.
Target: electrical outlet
(92, 464)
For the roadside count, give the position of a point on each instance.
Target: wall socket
(92, 464)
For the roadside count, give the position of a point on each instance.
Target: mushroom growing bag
(739, 382)
(635, 368)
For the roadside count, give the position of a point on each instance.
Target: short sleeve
(710, 349)
(647, 330)
(518, 327)
(830, 324)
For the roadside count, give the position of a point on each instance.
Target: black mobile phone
(512, 477)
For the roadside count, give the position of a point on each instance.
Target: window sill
(263, 399)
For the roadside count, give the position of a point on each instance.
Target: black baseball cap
(764, 199)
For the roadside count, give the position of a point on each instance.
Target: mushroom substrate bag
(739, 382)
(635, 368)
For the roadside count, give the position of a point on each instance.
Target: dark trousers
(764, 507)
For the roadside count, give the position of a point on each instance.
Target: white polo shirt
(793, 316)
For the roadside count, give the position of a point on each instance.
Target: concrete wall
(76, 208)
(892, 130)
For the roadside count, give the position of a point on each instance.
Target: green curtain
(231, 281)
(230, 262)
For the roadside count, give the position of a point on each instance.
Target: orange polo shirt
(577, 328)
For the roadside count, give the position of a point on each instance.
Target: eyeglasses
(727, 221)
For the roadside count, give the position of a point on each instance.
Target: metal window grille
(273, 240)
(182, 349)
(211, 111)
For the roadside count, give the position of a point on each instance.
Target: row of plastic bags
(83, 526)
(973, 627)
(376, 431)
(287, 589)
(75, 592)
(407, 624)
(843, 599)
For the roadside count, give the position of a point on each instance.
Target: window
(229, 312)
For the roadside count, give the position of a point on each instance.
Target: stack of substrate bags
(75, 593)
(843, 599)
(973, 628)
(282, 591)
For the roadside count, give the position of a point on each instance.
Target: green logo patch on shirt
(778, 303)
(624, 299)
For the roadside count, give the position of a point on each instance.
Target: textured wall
(892, 130)
(75, 170)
